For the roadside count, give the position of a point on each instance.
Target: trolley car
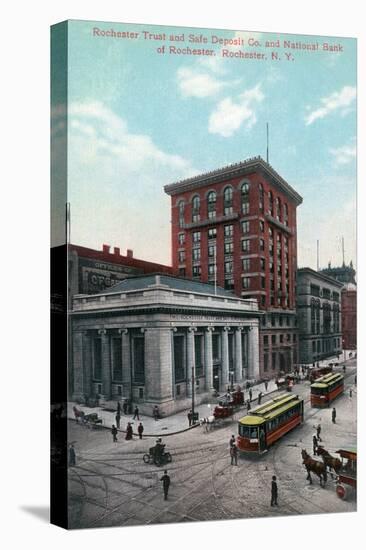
(269, 422)
(326, 389)
(318, 372)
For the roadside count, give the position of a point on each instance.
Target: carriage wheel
(341, 491)
(146, 458)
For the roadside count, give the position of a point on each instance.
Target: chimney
(106, 249)
(129, 253)
(117, 251)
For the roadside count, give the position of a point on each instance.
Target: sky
(141, 117)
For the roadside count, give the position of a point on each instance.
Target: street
(112, 486)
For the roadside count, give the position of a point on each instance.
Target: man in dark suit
(274, 491)
(166, 482)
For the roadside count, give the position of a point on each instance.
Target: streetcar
(318, 372)
(347, 478)
(268, 422)
(326, 389)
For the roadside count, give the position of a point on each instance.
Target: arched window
(228, 201)
(261, 198)
(285, 214)
(270, 203)
(211, 204)
(245, 198)
(196, 209)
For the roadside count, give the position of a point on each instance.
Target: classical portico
(155, 339)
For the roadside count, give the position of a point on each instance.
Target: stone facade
(319, 315)
(155, 339)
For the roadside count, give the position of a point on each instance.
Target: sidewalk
(170, 425)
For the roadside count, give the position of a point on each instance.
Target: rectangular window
(246, 282)
(245, 227)
(139, 360)
(229, 284)
(182, 271)
(265, 340)
(196, 271)
(212, 233)
(245, 208)
(263, 264)
(265, 362)
(246, 264)
(261, 226)
(196, 236)
(263, 282)
(196, 254)
(261, 244)
(211, 250)
(245, 245)
(181, 238)
(117, 359)
(228, 210)
(273, 339)
(263, 300)
(228, 230)
(228, 267)
(181, 256)
(179, 358)
(211, 269)
(228, 248)
(211, 214)
(274, 357)
(216, 350)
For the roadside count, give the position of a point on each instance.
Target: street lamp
(193, 391)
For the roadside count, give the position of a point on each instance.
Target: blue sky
(139, 120)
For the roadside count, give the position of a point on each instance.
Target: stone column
(158, 365)
(225, 358)
(191, 359)
(253, 344)
(106, 365)
(208, 360)
(88, 370)
(126, 364)
(78, 366)
(238, 356)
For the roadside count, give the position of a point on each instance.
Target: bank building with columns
(154, 339)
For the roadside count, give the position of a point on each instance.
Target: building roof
(174, 283)
(318, 275)
(234, 170)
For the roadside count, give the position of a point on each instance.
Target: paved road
(112, 486)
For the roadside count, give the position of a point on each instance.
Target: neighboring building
(349, 316)
(237, 226)
(347, 275)
(344, 274)
(92, 271)
(319, 315)
(145, 337)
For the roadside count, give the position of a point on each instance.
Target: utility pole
(317, 255)
(267, 143)
(193, 389)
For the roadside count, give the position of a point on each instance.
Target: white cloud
(195, 83)
(345, 153)
(230, 114)
(337, 101)
(115, 182)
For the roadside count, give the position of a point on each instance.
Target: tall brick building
(236, 227)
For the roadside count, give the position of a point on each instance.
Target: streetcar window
(248, 432)
(318, 391)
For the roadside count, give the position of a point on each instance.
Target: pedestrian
(190, 416)
(136, 413)
(266, 385)
(166, 482)
(232, 441)
(334, 415)
(156, 412)
(250, 394)
(118, 408)
(260, 397)
(129, 432)
(350, 393)
(118, 420)
(72, 455)
(318, 430)
(356, 380)
(248, 405)
(234, 455)
(125, 406)
(274, 491)
(344, 368)
(140, 430)
(315, 444)
(114, 433)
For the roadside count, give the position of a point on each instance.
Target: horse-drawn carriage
(157, 455)
(347, 477)
(92, 420)
(228, 403)
(286, 382)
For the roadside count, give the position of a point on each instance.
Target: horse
(314, 466)
(330, 461)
